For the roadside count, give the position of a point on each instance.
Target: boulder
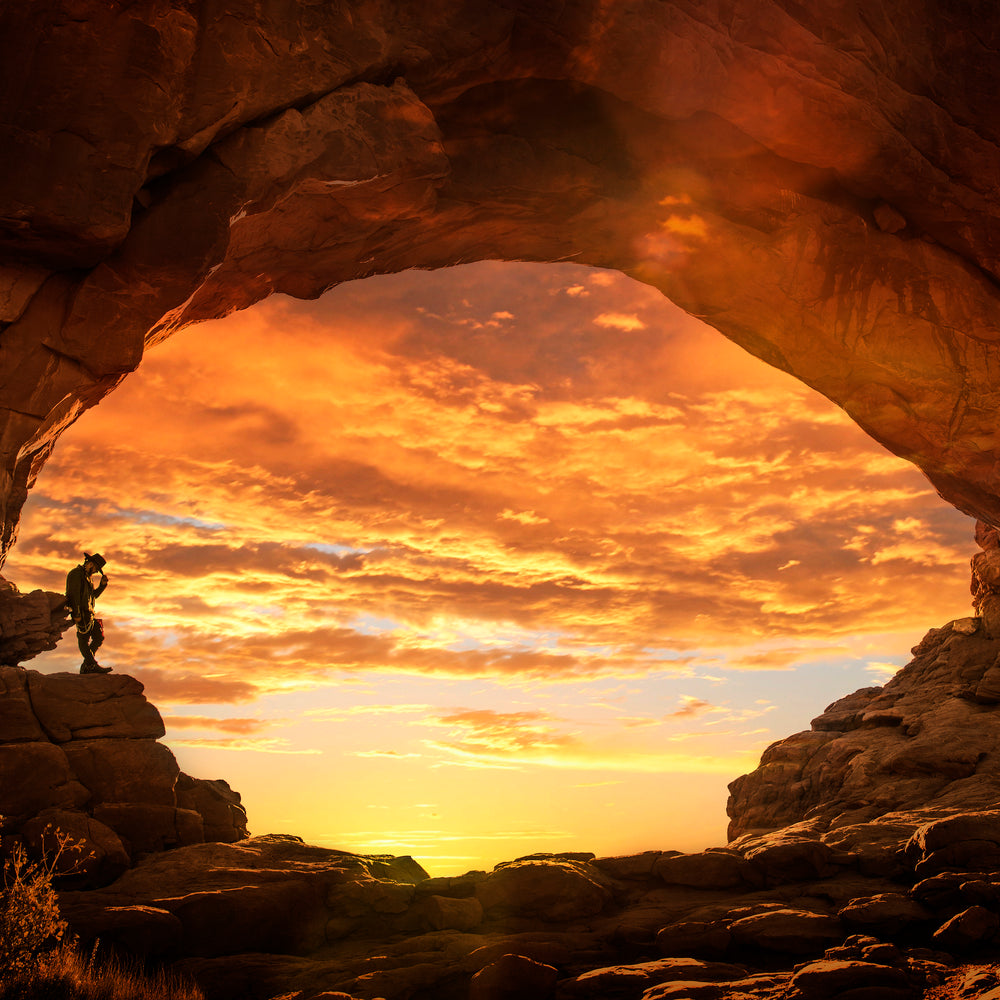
(17, 719)
(146, 828)
(222, 814)
(632, 866)
(556, 948)
(29, 623)
(363, 897)
(561, 891)
(826, 980)
(144, 931)
(513, 977)
(695, 938)
(965, 826)
(887, 914)
(784, 859)
(707, 870)
(970, 929)
(454, 886)
(91, 850)
(124, 771)
(633, 980)
(445, 913)
(762, 985)
(287, 917)
(795, 932)
(92, 706)
(35, 777)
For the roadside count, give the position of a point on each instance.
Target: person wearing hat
(80, 596)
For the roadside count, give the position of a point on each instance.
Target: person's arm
(99, 589)
(74, 596)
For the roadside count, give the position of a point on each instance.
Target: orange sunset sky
(476, 563)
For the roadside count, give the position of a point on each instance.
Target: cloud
(620, 321)
(691, 708)
(247, 745)
(240, 726)
(883, 671)
(432, 498)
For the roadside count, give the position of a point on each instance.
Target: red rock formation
(29, 623)
(80, 755)
(817, 181)
(882, 761)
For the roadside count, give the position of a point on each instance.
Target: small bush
(30, 922)
(37, 959)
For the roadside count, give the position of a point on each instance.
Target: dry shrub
(37, 959)
(30, 922)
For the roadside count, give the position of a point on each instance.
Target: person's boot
(94, 668)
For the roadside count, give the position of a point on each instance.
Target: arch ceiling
(818, 182)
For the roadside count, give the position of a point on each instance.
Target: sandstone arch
(818, 182)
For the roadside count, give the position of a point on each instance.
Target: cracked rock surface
(816, 181)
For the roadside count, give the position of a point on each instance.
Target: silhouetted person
(80, 596)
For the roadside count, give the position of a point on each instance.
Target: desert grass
(66, 974)
(38, 958)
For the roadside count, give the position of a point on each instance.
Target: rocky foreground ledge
(866, 866)
(81, 754)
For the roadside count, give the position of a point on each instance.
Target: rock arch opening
(529, 519)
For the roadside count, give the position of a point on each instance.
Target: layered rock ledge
(80, 754)
(883, 761)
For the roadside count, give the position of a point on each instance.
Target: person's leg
(83, 641)
(95, 637)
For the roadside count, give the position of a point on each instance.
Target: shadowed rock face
(819, 182)
(80, 755)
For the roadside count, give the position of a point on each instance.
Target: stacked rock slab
(29, 623)
(883, 761)
(79, 755)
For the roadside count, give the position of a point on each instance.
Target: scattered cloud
(883, 671)
(620, 321)
(691, 708)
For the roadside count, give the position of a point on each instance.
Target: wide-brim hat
(97, 559)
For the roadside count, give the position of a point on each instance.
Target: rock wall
(29, 623)
(79, 755)
(884, 760)
(817, 181)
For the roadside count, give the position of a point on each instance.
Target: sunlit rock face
(881, 762)
(819, 182)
